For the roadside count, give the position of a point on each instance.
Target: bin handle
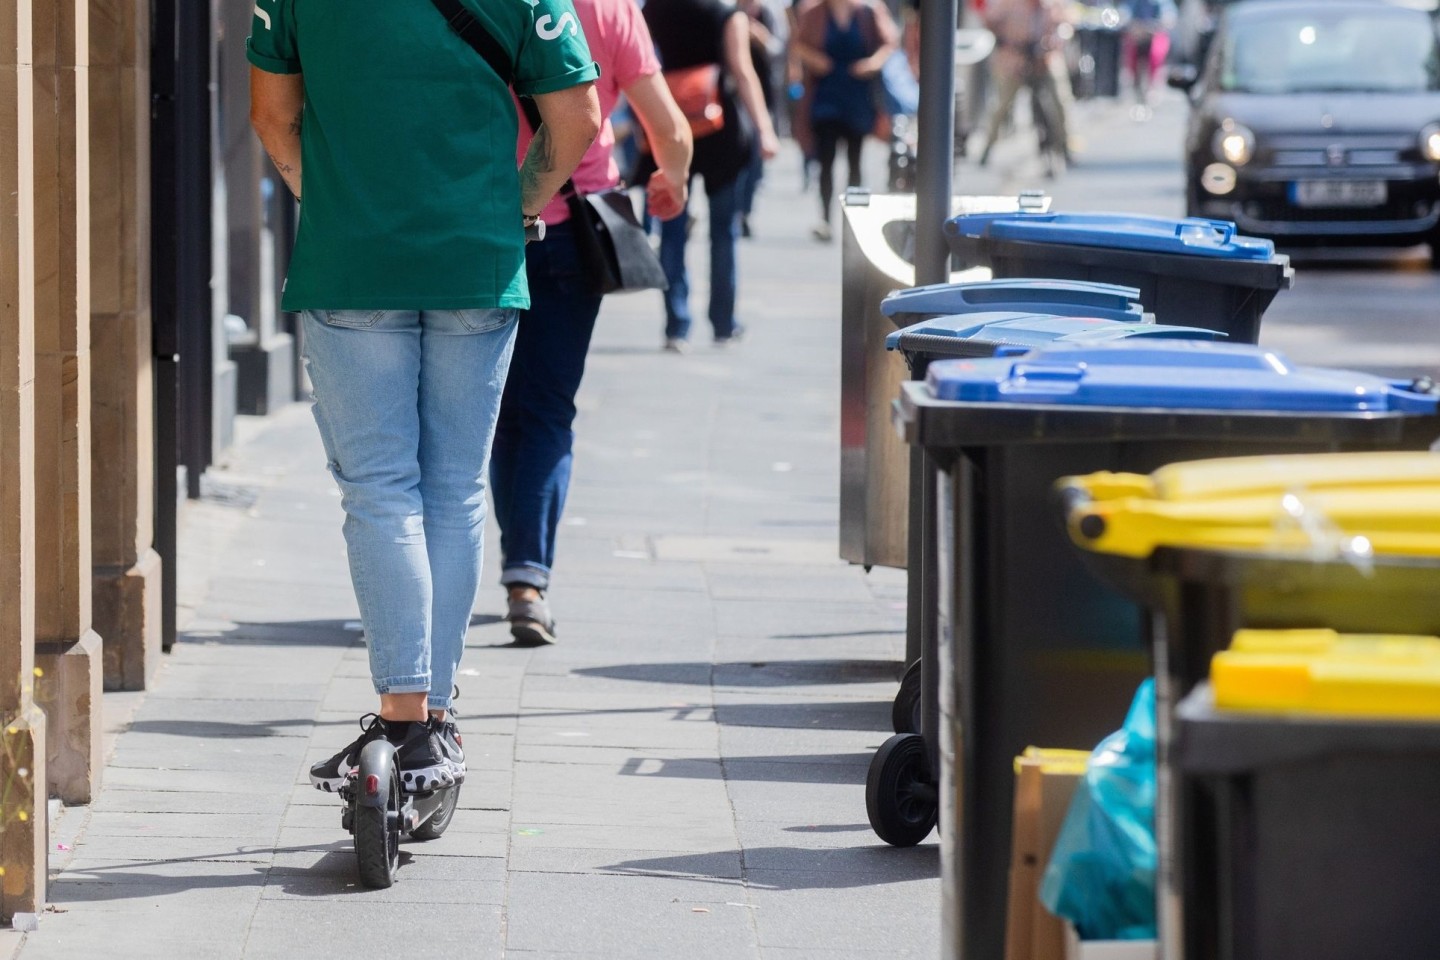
(1224, 228)
(1052, 377)
(1073, 498)
(1421, 395)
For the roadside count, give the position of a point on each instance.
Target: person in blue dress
(842, 46)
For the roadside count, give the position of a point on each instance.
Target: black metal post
(193, 241)
(933, 188)
(936, 146)
(162, 302)
(935, 160)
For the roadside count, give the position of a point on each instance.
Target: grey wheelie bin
(1189, 271)
(1033, 648)
(984, 335)
(879, 485)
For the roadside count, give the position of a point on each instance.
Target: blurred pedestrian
(843, 45)
(707, 43)
(1147, 43)
(765, 49)
(409, 271)
(1026, 38)
(534, 439)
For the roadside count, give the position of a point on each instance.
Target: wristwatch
(534, 226)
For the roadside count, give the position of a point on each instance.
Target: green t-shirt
(411, 196)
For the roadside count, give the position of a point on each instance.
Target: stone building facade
(85, 604)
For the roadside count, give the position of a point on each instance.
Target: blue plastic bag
(1101, 875)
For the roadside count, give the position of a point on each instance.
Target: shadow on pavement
(207, 729)
(334, 873)
(801, 768)
(310, 633)
(771, 673)
(811, 714)
(797, 868)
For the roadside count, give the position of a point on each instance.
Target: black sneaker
(451, 744)
(420, 757)
(329, 775)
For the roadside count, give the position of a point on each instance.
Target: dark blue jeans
(531, 460)
(724, 234)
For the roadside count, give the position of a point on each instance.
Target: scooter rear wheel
(377, 832)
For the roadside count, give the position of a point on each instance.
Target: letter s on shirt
(547, 32)
(262, 16)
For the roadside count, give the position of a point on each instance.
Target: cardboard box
(1045, 781)
(1077, 949)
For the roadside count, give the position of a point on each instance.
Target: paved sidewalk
(682, 776)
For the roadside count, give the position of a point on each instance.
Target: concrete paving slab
(627, 916)
(286, 929)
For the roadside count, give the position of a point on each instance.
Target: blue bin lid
(1187, 236)
(1055, 297)
(1028, 330)
(1171, 374)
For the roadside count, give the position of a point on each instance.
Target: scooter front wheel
(437, 822)
(377, 817)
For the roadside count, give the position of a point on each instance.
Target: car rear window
(1320, 50)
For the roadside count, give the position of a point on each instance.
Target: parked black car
(1318, 120)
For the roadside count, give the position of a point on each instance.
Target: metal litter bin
(877, 250)
(1033, 648)
(1193, 272)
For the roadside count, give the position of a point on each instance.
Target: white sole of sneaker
(427, 778)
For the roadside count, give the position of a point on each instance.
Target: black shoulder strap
(473, 32)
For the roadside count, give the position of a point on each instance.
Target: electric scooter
(378, 813)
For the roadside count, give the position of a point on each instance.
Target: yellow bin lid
(1319, 671)
(1383, 503)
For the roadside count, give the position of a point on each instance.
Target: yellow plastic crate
(1319, 671)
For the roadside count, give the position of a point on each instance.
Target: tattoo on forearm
(284, 168)
(539, 161)
(297, 123)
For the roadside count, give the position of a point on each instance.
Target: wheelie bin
(1065, 298)
(1287, 834)
(1060, 298)
(985, 335)
(1189, 271)
(1033, 647)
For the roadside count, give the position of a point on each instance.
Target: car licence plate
(1338, 193)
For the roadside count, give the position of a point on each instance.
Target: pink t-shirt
(620, 43)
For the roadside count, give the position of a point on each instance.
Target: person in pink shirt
(531, 461)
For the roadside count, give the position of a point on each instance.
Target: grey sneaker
(451, 746)
(530, 622)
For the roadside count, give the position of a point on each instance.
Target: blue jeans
(406, 404)
(750, 178)
(724, 234)
(530, 466)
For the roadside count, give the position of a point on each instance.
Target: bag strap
(473, 32)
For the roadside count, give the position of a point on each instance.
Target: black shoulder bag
(614, 249)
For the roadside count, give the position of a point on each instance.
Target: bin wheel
(901, 798)
(905, 714)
